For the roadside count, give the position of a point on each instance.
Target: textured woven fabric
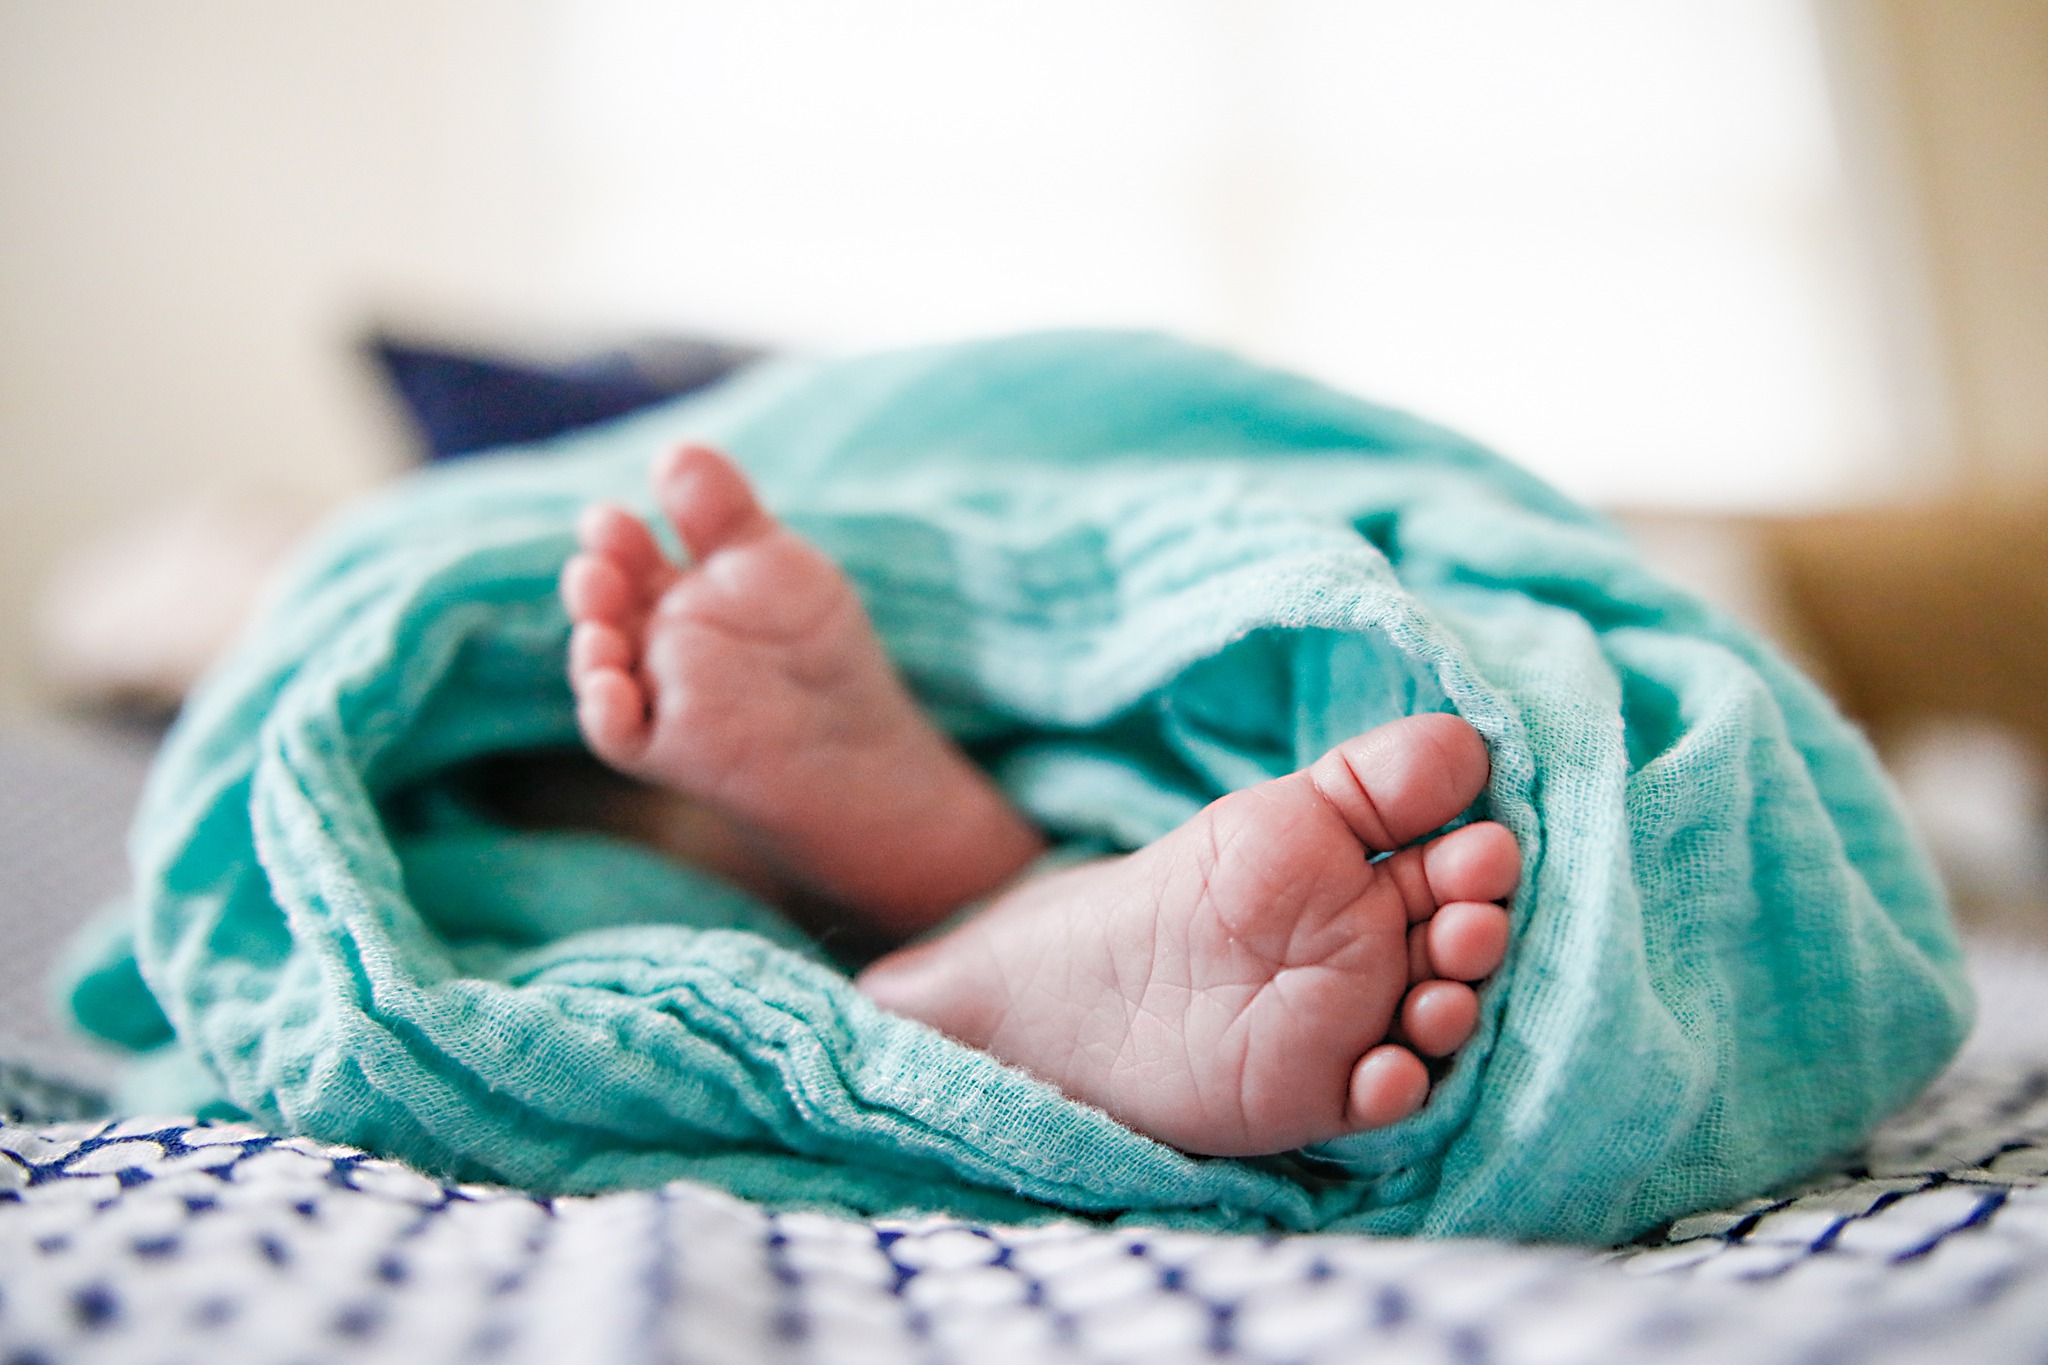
(155, 1240)
(1131, 575)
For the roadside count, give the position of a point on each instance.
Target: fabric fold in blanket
(1130, 575)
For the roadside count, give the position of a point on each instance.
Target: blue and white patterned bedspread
(158, 1241)
(161, 1240)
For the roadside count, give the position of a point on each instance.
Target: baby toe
(1466, 940)
(1438, 1016)
(1480, 862)
(1388, 1084)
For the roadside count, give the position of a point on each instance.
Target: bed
(156, 1238)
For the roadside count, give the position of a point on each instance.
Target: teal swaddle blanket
(1130, 575)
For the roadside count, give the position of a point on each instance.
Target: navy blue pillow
(463, 401)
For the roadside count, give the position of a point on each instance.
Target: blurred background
(1768, 278)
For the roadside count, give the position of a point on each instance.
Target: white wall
(1621, 241)
(200, 203)
(1616, 239)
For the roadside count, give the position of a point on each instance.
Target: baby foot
(750, 681)
(1251, 982)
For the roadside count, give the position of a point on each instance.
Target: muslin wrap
(1129, 575)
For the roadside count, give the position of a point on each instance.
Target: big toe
(1395, 784)
(707, 499)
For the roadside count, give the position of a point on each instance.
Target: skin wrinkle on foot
(1255, 1002)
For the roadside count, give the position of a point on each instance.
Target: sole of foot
(748, 680)
(1260, 979)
